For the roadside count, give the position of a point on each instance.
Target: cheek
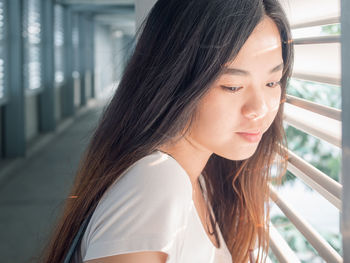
(215, 114)
(273, 104)
(273, 101)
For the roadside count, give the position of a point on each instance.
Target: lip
(251, 136)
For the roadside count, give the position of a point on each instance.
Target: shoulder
(147, 208)
(152, 182)
(154, 186)
(155, 174)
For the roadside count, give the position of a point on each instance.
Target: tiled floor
(32, 197)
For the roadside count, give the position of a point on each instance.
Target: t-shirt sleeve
(146, 210)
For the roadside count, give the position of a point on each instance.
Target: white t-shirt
(151, 209)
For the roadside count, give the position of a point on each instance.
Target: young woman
(179, 165)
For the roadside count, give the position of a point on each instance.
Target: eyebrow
(241, 72)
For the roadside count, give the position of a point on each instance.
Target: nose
(255, 106)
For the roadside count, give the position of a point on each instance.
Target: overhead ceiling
(120, 14)
(117, 14)
(98, 2)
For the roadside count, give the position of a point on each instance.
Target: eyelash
(276, 83)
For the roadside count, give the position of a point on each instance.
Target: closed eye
(232, 89)
(235, 89)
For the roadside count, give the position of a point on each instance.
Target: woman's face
(231, 121)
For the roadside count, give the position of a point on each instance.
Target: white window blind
(301, 232)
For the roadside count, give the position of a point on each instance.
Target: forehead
(264, 44)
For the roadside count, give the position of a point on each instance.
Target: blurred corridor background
(61, 61)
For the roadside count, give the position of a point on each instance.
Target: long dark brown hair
(180, 51)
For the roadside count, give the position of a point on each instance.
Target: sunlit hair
(180, 51)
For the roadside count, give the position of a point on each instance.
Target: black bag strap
(77, 239)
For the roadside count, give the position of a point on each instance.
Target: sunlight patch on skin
(271, 110)
(275, 108)
(260, 117)
(266, 50)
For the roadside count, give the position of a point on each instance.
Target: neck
(190, 156)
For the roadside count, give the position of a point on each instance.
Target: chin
(243, 157)
(234, 156)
